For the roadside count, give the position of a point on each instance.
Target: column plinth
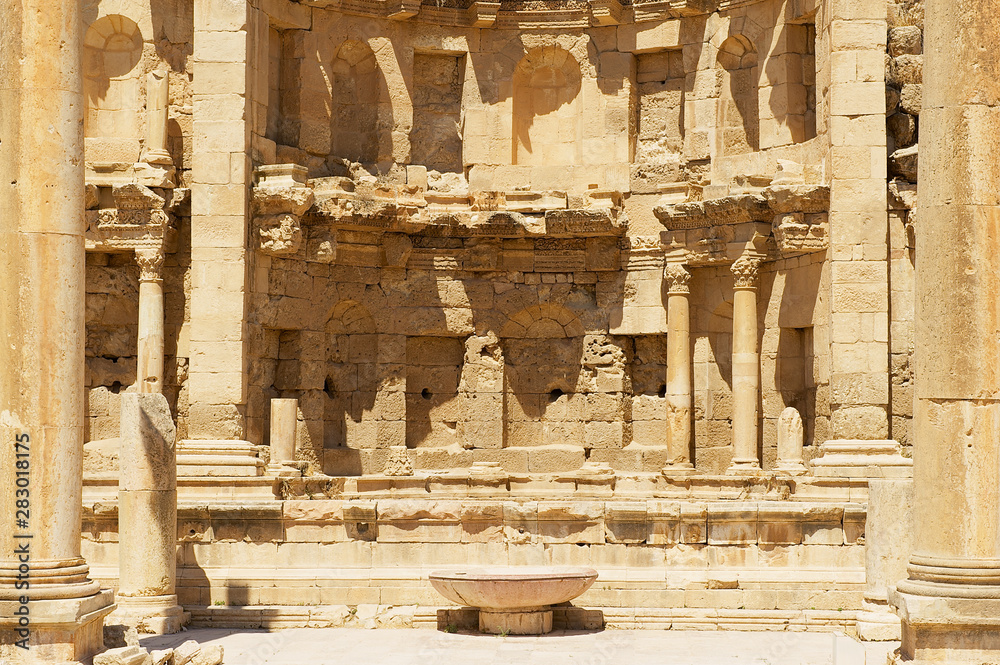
(679, 399)
(746, 367)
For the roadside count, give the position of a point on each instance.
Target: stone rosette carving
(746, 271)
(279, 200)
(677, 277)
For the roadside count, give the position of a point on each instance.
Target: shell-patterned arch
(543, 322)
(350, 317)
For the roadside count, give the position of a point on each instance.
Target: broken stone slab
(132, 655)
(197, 654)
(162, 657)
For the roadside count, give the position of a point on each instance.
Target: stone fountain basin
(516, 599)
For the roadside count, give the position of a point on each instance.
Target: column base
(679, 469)
(285, 469)
(150, 615)
(218, 459)
(940, 629)
(878, 623)
(60, 630)
(857, 458)
(741, 468)
(516, 622)
(791, 469)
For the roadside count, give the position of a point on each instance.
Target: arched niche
(547, 108)
(112, 87)
(361, 112)
(739, 124)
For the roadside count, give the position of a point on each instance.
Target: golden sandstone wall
(444, 229)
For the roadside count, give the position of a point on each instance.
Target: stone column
(42, 329)
(746, 366)
(147, 517)
(678, 369)
(950, 602)
(149, 365)
(157, 104)
(284, 421)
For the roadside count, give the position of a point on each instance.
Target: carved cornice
(746, 271)
(677, 277)
(139, 220)
(523, 14)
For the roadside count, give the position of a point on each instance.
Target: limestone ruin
(304, 299)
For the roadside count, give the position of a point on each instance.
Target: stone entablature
(141, 218)
(565, 15)
(717, 230)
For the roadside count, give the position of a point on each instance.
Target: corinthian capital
(150, 262)
(677, 277)
(745, 270)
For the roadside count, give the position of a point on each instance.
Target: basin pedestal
(527, 621)
(514, 600)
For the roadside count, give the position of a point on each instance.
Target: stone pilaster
(149, 365)
(224, 79)
(221, 174)
(746, 366)
(679, 398)
(951, 600)
(851, 80)
(42, 327)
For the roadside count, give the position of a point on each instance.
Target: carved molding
(150, 260)
(746, 270)
(677, 277)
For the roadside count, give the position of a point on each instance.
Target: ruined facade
(624, 284)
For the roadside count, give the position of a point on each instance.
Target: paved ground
(355, 646)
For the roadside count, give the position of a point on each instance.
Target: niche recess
(113, 88)
(738, 111)
(435, 141)
(361, 113)
(660, 78)
(547, 108)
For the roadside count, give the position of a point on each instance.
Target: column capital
(746, 269)
(150, 260)
(677, 277)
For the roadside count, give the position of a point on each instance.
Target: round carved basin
(514, 599)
